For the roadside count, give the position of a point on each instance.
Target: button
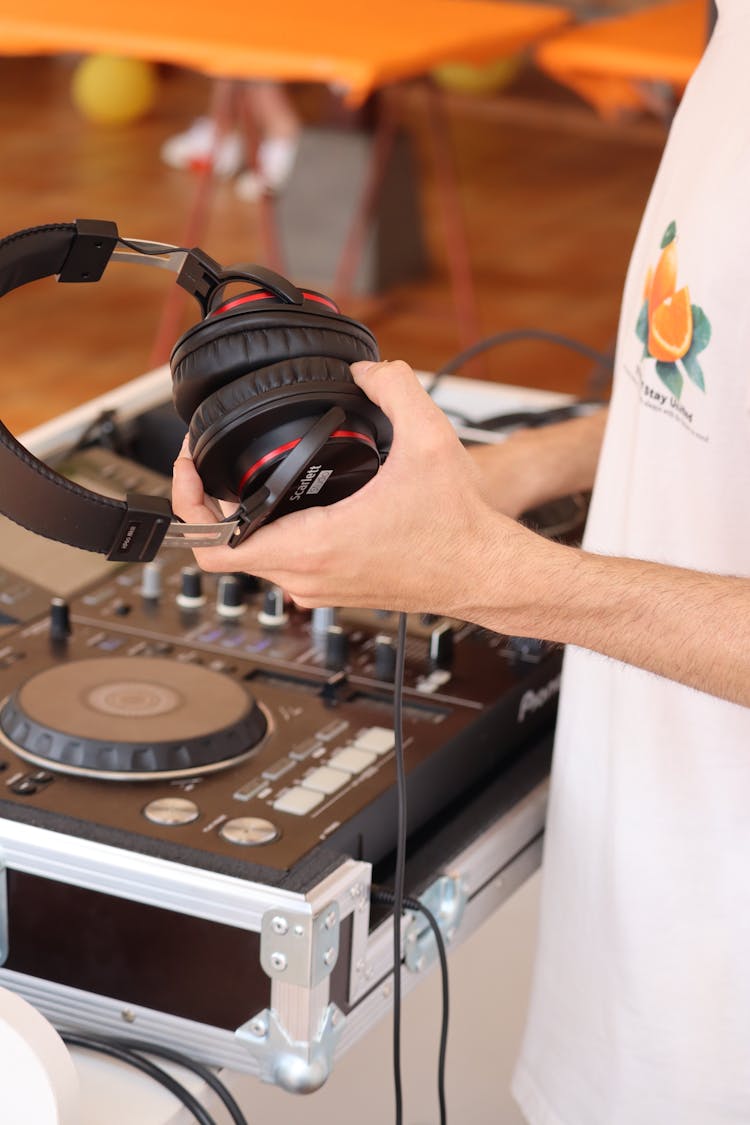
(249, 831)
(171, 811)
(332, 730)
(233, 639)
(378, 740)
(325, 780)
(41, 777)
(249, 790)
(304, 749)
(278, 769)
(298, 801)
(24, 787)
(210, 636)
(352, 760)
(437, 679)
(110, 644)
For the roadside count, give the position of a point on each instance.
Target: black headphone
(275, 420)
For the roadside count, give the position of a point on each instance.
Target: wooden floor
(552, 202)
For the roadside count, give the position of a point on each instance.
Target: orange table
(355, 49)
(611, 62)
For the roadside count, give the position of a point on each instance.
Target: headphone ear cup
(257, 388)
(245, 428)
(224, 348)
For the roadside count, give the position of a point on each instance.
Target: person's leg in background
(276, 123)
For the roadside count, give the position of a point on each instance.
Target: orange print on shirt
(672, 329)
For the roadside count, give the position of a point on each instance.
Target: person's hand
(415, 537)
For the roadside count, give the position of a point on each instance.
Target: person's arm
(683, 624)
(421, 536)
(541, 464)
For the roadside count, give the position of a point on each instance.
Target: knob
(337, 648)
(441, 646)
(59, 620)
(273, 615)
(151, 581)
(230, 596)
(385, 658)
(322, 619)
(191, 594)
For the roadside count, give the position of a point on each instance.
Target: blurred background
(551, 186)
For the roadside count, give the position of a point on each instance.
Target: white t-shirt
(640, 1009)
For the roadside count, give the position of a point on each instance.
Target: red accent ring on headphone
(264, 295)
(290, 445)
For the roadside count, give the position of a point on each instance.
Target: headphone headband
(36, 497)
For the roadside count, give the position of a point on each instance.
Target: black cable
(400, 872)
(102, 431)
(603, 359)
(382, 895)
(140, 1063)
(203, 1072)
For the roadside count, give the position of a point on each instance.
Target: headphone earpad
(223, 405)
(224, 348)
(251, 423)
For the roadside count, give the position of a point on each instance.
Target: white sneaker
(276, 157)
(194, 149)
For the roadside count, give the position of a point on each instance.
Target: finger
(189, 501)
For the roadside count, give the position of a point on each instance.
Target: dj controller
(206, 719)
(198, 784)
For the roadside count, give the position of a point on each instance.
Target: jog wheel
(132, 719)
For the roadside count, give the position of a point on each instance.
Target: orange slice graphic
(671, 327)
(665, 276)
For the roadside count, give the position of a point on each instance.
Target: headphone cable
(386, 897)
(604, 360)
(400, 870)
(203, 1072)
(102, 1046)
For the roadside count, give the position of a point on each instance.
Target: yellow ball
(113, 91)
(488, 78)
